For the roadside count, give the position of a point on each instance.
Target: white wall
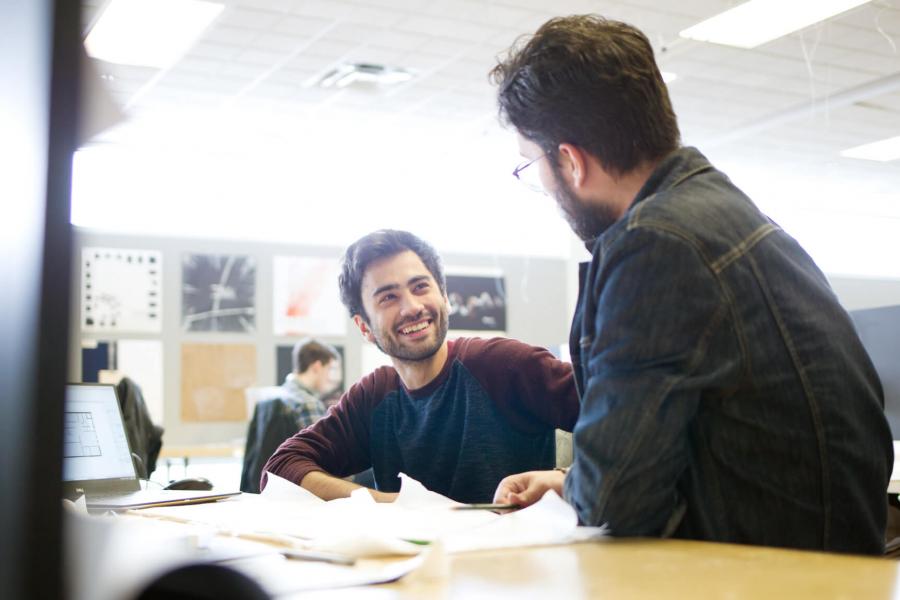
(857, 293)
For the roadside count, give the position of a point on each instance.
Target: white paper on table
(279, 488)
(550, 520)
(360, 527)
(104, 562)
(364, 545)
(77, 506)
(350, 526)
(280, 577)
(415, 495)
(417, 515)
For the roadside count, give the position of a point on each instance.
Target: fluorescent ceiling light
(150, 33)
(668, 76)
(883, 151)
(350, 73)
(759, 21)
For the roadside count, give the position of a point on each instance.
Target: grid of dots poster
(121, 290)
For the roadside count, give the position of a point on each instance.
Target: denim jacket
(725, 393)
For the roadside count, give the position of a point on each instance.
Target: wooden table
(624, 569)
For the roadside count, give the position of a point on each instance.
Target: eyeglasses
(531, 179)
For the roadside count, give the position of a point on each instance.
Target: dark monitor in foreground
(879, 330)
(39, 48)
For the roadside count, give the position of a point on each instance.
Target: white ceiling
(789, 106)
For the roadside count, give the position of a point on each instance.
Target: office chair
(145, 437)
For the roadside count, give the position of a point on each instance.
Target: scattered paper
(420, 525)
(416, 496)
(365, 545)
(358, 526)
(77, 506)
(103, 562)
(279, 488)
(282, 577)
(550, 520)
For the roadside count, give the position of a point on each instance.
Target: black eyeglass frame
(522, 166)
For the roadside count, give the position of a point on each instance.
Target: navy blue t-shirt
(489, 413)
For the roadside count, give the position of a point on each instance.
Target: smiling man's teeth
(414, 328)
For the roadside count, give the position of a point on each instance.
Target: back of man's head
(591, 82)
(375, 246)
(308, 351)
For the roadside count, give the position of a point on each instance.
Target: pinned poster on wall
(140, 360)
(213, 380)
(121, 290)
(477, 302)
(218, 292)
(306, 297)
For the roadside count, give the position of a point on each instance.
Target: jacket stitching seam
(811, 402)
(743, 247)
(637, 440)
(695, 362)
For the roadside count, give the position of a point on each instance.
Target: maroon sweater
(490, 412)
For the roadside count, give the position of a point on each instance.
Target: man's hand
(383, 496)
(525, 489)
(328, 487)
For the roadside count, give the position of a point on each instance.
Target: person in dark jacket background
(316, 372)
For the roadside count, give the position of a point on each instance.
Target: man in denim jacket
(725, 394)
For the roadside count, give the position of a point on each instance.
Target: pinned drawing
(121, 290)
(306, 297)
(218, 293)
(139, 360)
(477, 303)
(213, 379)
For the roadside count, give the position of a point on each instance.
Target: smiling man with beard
(458, 416)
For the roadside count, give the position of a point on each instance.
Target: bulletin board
(213, 379)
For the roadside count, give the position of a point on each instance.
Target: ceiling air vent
(364, 74)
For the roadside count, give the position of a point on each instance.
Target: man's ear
(573, 163)
(364, 328)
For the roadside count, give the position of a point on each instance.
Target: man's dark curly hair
(383, 243)
(591, 82)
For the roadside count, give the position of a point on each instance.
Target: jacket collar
(679, 166)
(675, 168)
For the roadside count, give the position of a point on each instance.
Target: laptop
(97, 456)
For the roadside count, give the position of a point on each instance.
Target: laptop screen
(94, 442)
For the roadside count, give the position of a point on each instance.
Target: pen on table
(488, 506)
(326, 557)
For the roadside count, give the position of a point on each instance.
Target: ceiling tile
(301, 26)
(455, 28)
(276, 42)
(259, 57)
(234, 16)
(227, 35)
